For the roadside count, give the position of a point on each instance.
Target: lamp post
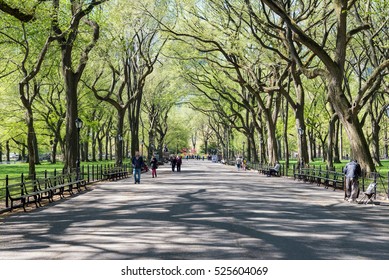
(141, 147)
(243, 143)
(301, 133)
(79, 123)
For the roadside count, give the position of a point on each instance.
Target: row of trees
(64, 60)
(259, 63)
(257, 71)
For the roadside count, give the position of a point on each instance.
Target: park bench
(46, 185)
(335, 180)
(67, 183)
(329, 179)
(109, 174)
(304, 174)
(272, 172)
(321, 177)
(77, 181)
(61, 185)
(23, 192)
(263, 169)
(114, 173)
(43, 188)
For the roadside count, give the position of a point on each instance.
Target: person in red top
(154, 166)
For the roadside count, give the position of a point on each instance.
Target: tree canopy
(267, 79)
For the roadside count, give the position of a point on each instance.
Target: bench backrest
(15, 190)
(72, 177)
(57, 180)
(31, 186)
(44, 183)
(335, 175)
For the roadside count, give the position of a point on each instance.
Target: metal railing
(367, 177)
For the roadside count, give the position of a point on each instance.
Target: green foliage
(195, 69)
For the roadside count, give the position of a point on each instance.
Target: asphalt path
(207, 211)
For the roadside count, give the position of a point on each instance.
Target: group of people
(241, 163)
(176, 161)
(138, 163)
(352, 171)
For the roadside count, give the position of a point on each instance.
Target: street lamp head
(78, 123)
(142, 142)
(387, 110)
(300, 131)
(120, 137)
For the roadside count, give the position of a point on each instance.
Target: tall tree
(71, 46)
(334, 60)
(30, 66)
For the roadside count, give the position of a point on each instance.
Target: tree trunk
(54, 145)
(271, 140)
(337, 157)
(94, 142)
(285, 134)
(299, 115)
(119, 137)
(134, 119)
(100, 148)
(310, 145)
(359, 147)
(330, 140)
(31, 137)
(71, 138)
(7, 151)
(375, 139)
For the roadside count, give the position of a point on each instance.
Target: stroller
(369, 194)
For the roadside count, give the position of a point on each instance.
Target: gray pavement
(208, 211)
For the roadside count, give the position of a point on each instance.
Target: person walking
(352, 171)
(238, 162)
(179, 163)
(244, 164)
(174, 162)
(137, 164)
(154, 166)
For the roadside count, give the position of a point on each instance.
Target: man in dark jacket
(173, 160)
(137, 164)
(352, 171)
(179, 162)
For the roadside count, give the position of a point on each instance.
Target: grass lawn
(15, 171)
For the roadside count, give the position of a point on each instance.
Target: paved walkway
(208, 211)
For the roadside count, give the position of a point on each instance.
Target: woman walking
(154, 166)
